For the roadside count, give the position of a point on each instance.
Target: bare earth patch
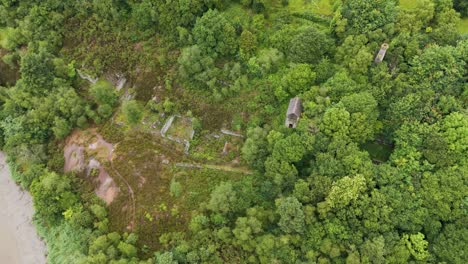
(86, 151)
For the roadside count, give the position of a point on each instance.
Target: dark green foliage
(461, 6)
(309, 46)
(215, 35)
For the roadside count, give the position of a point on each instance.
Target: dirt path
(130, 191)
(214, 167)
(19, 242)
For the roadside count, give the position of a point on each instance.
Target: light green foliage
(363, 116)
(440, 69)
(105, 96)
(290, 149)
(254, 149)
(355, 55)
(223, 199)
(373, 251)
(132, 111)
(445, 30)
(302, 191)
(345, 191)
(363, 16)
(455, 131)
(309, 46)
(175, 188)
(168, 106)
(194, 65)
(145, 15)
(417, 245)
(99, 211)
(291, 215)
(340, 85)
(127, 250)
(416, 18)
(298, 79)
(248, 44)
(103, 93)
(266, 62)
(215, 35)
(336, 122)
(165, 258)
(245, 231)
(54, 196)
(281, 172)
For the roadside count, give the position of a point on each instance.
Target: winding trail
(130, 191)
(19, 242)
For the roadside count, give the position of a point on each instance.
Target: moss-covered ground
(378, 151)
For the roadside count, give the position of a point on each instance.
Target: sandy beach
(19, 242)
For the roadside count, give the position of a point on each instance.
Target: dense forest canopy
(376, 170)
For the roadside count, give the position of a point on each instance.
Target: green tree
(194, 65)
(223, 199)
(417, 245)
(214, 34)
(309, 46)
(363, 16)
(37, 71)
(103, 93)
(132, 111)
(363, 116)
(255, 149)
(248, 44)
(298, 79)
(345, 190)
(291, 215)
(461, 6)
(165, 258)
(53, 196)
(245, 231)
(289, 149)
(373, 251)
(336, 122)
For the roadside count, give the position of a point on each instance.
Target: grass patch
(463, 26)
(209, 146)
(321, 7)
(181, 128)
(408, 4)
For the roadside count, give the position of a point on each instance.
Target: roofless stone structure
(381, 55)
(294, 112)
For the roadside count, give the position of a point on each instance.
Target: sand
(19, 242)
